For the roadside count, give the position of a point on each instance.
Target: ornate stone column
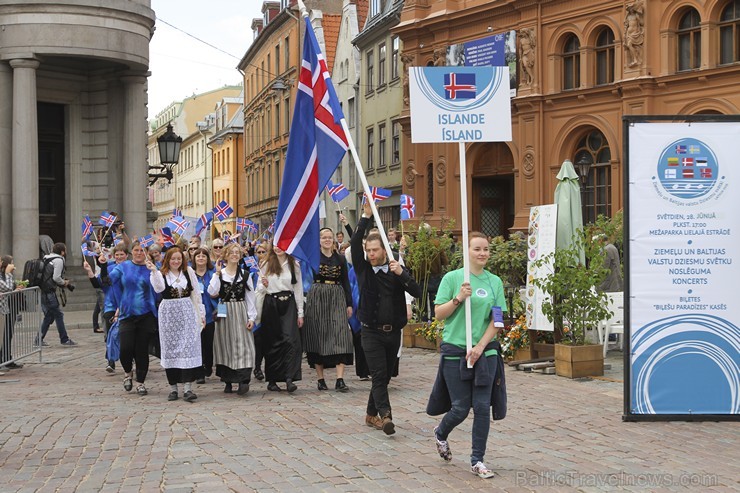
(6, 156)
(134, 155)
(25, 157)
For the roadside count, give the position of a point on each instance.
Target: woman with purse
(280, 291)
(465, 387)
(233, 342)
(181, 318)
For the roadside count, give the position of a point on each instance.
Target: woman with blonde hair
(181, 318)
(233, 341)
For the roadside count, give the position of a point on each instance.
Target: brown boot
(374, 422)
(387, 425)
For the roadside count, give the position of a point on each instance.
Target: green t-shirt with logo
(488, 291)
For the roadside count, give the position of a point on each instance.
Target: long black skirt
(281, 340)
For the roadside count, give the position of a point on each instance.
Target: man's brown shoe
(387, 425)
(374, 422)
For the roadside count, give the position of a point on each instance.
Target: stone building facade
(72, 118)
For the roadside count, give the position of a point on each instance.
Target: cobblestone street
(66, 425)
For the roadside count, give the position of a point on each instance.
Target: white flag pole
(360, 171)
(466, 259)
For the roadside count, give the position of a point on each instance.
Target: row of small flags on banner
(338, 192)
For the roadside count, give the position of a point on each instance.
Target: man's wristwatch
(455, 301)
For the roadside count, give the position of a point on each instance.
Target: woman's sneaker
(141, 390)
(481, 470)
(443, 448)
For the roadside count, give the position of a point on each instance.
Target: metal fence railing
(20, 324)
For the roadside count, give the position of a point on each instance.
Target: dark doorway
(51, 171)
(493, 205)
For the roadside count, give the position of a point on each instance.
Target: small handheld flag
(87, 227)
(178, 225)
(146, 241)
(408, 207)
(176, 212)
(107, 219)
(378, 194)
(222, 210)
(251, 262)
(86, 252)
(337, 192)
(203, 222)
(166, 235)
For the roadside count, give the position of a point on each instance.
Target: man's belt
(382, 328)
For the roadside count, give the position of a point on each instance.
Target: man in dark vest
(382, 314)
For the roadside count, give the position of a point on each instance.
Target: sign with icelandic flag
(460, 104)
(317, 145)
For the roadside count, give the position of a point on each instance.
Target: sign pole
(466, 259)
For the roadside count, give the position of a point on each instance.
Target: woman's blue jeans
(465, 395)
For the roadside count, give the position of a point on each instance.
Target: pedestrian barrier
(20, 320)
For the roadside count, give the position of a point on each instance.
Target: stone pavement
(66, 425)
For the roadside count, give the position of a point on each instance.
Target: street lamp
(169, 154)
(583, 166)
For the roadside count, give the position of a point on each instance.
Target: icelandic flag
(203, 222)
(106, 219)
(245, 224)
(680, 149)
(232, 239)
(251, 225)
(222, 210)
(178, 224)
(317, 145)
(176, 212)
(378, 194)
(87, 227)
(86, 252)
(408, 207)
(459, 86)
(146, 241)
(166, 235)
(337, 192)
(251, 262)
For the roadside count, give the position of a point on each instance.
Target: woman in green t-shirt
(469, 388)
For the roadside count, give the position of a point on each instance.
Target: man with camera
(52, 281)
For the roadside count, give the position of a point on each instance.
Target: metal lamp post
(583, 166)
(169, 154)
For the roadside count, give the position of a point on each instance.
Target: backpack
(38, 272)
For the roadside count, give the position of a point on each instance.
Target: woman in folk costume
(280, 295)
(233, 342)
(181, 318)
(327, 337)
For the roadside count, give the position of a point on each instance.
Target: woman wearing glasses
(217, 247)
(233, 342)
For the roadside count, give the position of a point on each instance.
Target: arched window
(571, 63)
(430, 187)
(597, 197)
(605, 57)
(729, 33)
(689, 41)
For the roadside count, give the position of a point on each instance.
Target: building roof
(363, 6)
(388, 16)
(331, 24)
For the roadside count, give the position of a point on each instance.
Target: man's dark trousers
(381, 349)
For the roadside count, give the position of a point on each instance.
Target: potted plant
(574, 304)
(428, 334)
(515, 341)
(428, 259)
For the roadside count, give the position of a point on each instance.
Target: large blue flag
(317, 145)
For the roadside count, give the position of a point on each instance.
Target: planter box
(408, 337)
(420, 342)
(522, 354)
(579, 361)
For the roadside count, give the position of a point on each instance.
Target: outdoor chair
(615, 323)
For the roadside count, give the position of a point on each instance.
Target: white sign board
(460, 104)
(684, 263)
(543, 221)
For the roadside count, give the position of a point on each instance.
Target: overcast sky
(182, 66)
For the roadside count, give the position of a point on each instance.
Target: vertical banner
(543, 221)
(683, 268)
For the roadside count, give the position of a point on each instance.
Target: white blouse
(214, 288)
(276, 284)
(179, 281)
